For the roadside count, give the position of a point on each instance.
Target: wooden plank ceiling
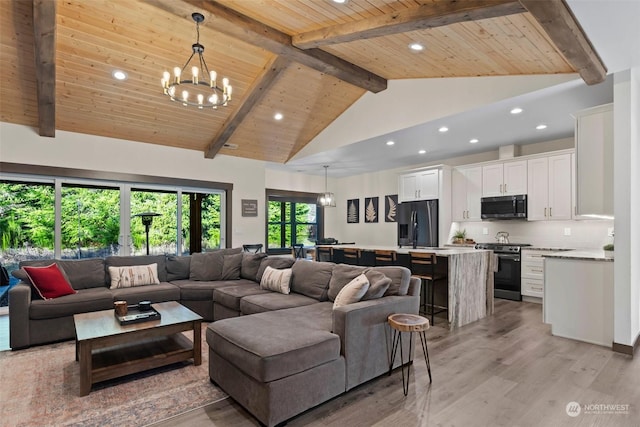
(306, 59)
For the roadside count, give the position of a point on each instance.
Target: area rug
(39, 386)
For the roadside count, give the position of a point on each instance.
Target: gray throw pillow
(206, 266)
(311, 278)
(341, 275)
(250, 265)
(378, 285)
(400, 277)
(277, 262)
(231, 266)
(178, 267)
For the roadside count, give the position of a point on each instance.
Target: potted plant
(459, 236)
(608, 250)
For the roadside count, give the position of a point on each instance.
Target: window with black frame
(292, 218)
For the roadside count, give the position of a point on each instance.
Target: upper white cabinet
(549, 188)
(504, 179)
(422, 185)
(594, 161)
(466, 193)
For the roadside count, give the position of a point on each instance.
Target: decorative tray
(135, 315)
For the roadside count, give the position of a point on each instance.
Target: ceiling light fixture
(422, 151)
(278, 116)
(473, 141)
(340, 1)
(390, 142)
(119, 75)
(541, 126)
(443, 129)
(326, 199)
(416, 47)
(203, 83)
(516, 110)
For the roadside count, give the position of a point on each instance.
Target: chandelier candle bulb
(213, 76)
(194, 71)
(176, 73)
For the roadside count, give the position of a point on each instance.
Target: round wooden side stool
(408, 323)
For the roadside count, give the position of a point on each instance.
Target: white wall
(22, 144)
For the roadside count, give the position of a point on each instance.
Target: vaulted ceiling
(306, 59)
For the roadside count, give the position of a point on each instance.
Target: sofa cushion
(352, 292)
(340, 276)
(178, 267)
(83, 301)
(200, 290)
(311, 278)
(400, 278)
(80, 273)
(278, 262)
(230, 296)
(125, 261)
(206, 266)
(378, 284)
(250, 265)
(154, 293)
(273, 301)
(134, 275)
(271, 346)
(231, 264)
(276, 280)
(49, 281)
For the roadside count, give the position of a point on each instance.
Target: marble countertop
(439, 251)
(582, 254)
(546, 248)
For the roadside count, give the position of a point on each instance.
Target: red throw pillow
(49, 281)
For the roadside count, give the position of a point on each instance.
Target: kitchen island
(578, 295)
(469, 272)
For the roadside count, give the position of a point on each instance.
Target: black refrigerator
(418, 223)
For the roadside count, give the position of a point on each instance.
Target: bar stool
(254, 248)
(384, 257)
(324, 253)
(351, 256)
(423, 266)
(297, 250)
(408, 323)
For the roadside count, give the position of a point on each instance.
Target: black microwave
(504, 207)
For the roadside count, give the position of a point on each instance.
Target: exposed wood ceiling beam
(257, 91)
(566, 33)
(428, 15)
(237, 25)
(44, 32)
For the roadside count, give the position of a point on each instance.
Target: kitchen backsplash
(553, 234)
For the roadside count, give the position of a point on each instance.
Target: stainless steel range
(507, 279)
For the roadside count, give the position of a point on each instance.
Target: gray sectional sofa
(277, 354)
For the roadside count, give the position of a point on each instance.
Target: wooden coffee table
(107, 350)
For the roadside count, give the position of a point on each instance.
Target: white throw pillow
(134, 275)
(352, 292)
(276, 280)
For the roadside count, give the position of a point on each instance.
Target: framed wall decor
(353, 211)
(371, 209)
(249, 207)
(390, 208)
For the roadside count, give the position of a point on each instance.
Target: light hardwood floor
(505, 370)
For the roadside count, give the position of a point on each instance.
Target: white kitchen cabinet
(594, 161)
(422, 185)
(467, 192)
(532, 274)
(549, 188)
(504, 179)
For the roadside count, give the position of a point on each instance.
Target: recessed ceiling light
(516, 110)
(390, 142)
(278, 116)
(541, 126)
(119, 75)
(422, 151)
(473, 141)
(416, 47)
(340, 1)
(443, 129)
